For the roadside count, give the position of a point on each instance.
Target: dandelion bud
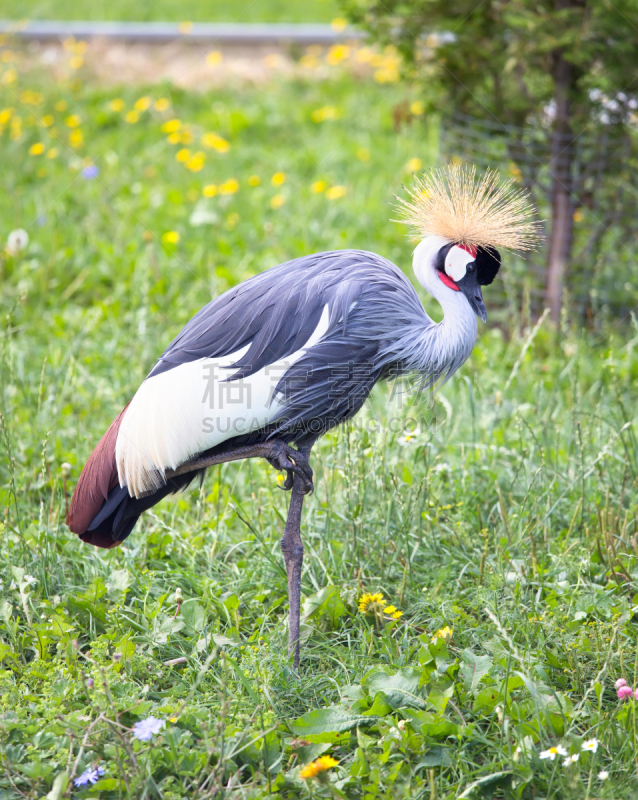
(90, 683)
(624, 692)
(179, 597)
(65, 470)
(620, 682)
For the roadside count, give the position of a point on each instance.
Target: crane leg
(292, 548)
(299, 478)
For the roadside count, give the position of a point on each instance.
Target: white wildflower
(17, 241)
(603, 775)
(590, 744)
(559, 750)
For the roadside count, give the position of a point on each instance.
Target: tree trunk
(562, 222)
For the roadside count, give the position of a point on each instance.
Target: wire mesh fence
(602, 169)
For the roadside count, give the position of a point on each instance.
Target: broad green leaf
(327, 604)
(59, 787)
(310, 752)
(474, 668)
(193, 614)
(496, 779)
(119, 580)
(328, 720)
(400, 689)
(380, 706)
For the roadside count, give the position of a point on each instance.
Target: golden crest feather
(453, 203)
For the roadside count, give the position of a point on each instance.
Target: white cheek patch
(456, 262)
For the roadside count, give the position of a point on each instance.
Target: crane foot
(293, 462)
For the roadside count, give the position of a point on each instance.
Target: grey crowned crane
(269, 366)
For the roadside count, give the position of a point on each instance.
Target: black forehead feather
(488, 262)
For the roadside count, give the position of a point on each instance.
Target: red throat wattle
(448, 281)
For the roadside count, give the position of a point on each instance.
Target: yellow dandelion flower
(73, 121)
(216, 142)
(171, 125)
(417, 108)
(442, 633)
(76, 139)
(392, 611)
(53, 153)
(162, 104)
(48, 120)
(335, 192)
(414, 164)
(196, 162)
(75, 62)
(174, 138)
(117, 104)
(210, 190)
(327, 112)
(277, 201)
(132, 116)
(363, 154)
(339, 24)
(5, 115)
(337, 53)
(229, 187)
(278, 178)
(254, 180)
(214, 58)
(315, 768)
(185, 28)
(318, 186)
(61, 105)
(170, 237)
(371, 603)
(36, 149)
(183, 155)
(309, 62)
(578, 215)
(143, 103)
(186, 136)
(9, 77)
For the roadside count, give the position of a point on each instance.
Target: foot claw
(294, 463)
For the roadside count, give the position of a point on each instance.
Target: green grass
(173, 10)
(510, 517)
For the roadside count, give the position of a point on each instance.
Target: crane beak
(471, 288)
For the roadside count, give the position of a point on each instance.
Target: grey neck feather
(442, 348)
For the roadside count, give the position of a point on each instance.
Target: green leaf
(496, 779)
(327, 604)
(106, 784)
(119, 580)
(59, 787)
(328, 720)
(400, 689)
(310, 752)
(193, 614)
(474, 668)
(380, 706)
(6, 651)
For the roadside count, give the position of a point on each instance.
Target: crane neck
(447, 343)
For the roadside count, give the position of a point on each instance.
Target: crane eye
(471, 267)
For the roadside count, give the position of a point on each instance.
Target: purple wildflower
(89, 776)
(147, 728)
(90, 172)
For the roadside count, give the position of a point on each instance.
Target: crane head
(465, 269)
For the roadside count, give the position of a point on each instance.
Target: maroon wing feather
(98, 477)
